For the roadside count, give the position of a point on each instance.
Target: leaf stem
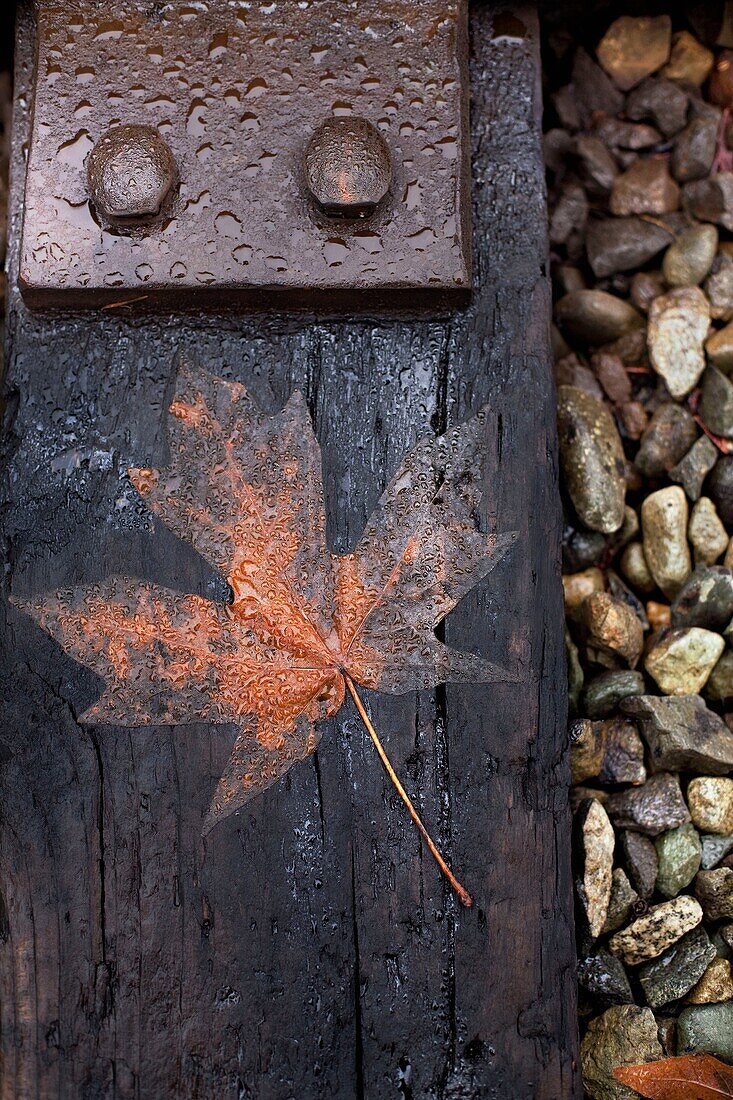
(463, 894)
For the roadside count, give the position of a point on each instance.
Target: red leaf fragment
(690, 1077)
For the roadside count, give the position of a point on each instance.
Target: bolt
(130, 173)
(348, 167)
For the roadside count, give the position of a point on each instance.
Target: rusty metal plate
(237, 89)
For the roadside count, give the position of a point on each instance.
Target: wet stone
(596, 847)
(581, 548)
(710, 799)
(613, 627)
(678, 325)
(719, 349)
(641, 861)
(679, 853)
(653, 808)
(706, 1029)
(648, 936)
(604, 979)
(695, 147)
(592, 459)
(595, 164)
(716, 404)
(690, 62)
(604, 692)
(646, 187)
(595, 93)
(625, 1035)
(635, 568)
(688, 259)
(622, 244)
(661, 102)
(682, 733)
(690, 472)
(714, 891)
(664, 519)
(635, 47)
(670, 434)
(677, 970)
(623, 898)
(720, 489)
(596, 317)
(710, 200)
(719, 288)
(715, 986)
(706, 533)
(577, 587)
(680, 661)
(714, 848)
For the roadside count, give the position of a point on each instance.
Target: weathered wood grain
(308, 948)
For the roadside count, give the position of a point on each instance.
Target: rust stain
(245, 489)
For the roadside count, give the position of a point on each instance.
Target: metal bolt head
(130, 172)
(348, 167)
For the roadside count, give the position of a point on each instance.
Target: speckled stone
(664, 518)
(597, 842)
(710, 799)
(680, 661)
(715, 848)
(653, 808)
(679, 853)
(592, 459)
(650, 935)
(706, 1029)
(678, 326)
(625, 1035)
(678, 969)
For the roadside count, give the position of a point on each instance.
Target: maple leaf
(303, 625)
(690, 1077)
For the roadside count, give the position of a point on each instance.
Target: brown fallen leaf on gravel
(304, 625)
(690, 1077)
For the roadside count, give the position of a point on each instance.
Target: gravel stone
(603, 977)
(597, 842)
(592, 459)
(707, 535)
(711, 199)
(691, 471)
(719, 348)
(604, 692)
(662, 102)
(715, 848)
(706, 1029)
(625, 1035)
(688, 259)
(680, 661)
(623, 897)
(720, 488)
(716, 405)
(650, 935)
(635, 47)
(694, 150)
(664, 519)
(679, 853)
(596, 317)
(710, 799)
(641, 862)
(646, 187)
(678, 325)
(668, 437)
(621, 244)
(715, 986)
(653, 808)
(677, 970)
(714, 891)
(689, 62)
(682, 733)
(613, 627)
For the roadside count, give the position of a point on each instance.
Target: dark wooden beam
(308, 948)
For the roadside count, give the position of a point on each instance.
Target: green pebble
(679, 853)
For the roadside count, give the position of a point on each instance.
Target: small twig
(463, 894)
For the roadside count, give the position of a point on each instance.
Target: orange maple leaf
(689, 1077)
(303, 625)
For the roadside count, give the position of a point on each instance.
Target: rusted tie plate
(292, 152)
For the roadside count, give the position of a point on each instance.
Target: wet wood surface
(309, 947)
